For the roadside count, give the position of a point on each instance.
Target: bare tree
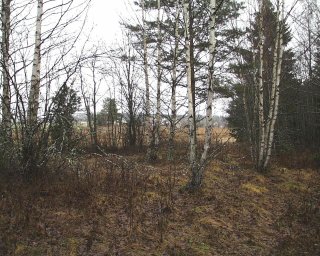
(50, 64)
(124, 69)
(89, 91)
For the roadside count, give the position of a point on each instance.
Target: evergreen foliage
(65, 104)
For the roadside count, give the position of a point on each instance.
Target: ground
(113, 205)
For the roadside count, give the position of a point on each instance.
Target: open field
(106, 138)
(112, 205)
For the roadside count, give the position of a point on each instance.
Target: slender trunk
(159, 57)
(272, 97)
(35, 78)
(150, 138)
(191, 104)
(261, 143)
(192, 68)
(174, 84)
(94, 103)
(248, 123)
(146, 76)
(254, 122)
(30, 149)
(208, 124)
(279, 49)
(86, 101)
(5, 45)
(310, 50)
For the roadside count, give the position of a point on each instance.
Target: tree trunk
(277, 65)
(191, 103)
(94, 103)
(159, 73)
(198, 176)
(35, 78)
(174, 84)
(261, 144)
(5, 45)
(148, 123)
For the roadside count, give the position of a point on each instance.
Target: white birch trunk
(191, 103)
(274, 80)
(198, 173)
(5, 45)
(35, 78)
(278, 57)
(208, 124)
(261, 144)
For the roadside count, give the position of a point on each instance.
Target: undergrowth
(107, 204)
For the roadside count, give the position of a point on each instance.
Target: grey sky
(105, 16)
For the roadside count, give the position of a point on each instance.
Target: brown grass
(112, 205)
(219, 135)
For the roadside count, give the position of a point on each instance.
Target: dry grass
(105, 137)
(111, 205)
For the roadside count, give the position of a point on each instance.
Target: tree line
(175, 58)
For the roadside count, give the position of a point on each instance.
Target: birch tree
(35, 68)
(276, 76)
(33, 104)
(191, 103)
(260, 90)
(197, 167)
(208, 125)
(260, 100)
(5, 46)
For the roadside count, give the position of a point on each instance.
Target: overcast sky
(105, 15)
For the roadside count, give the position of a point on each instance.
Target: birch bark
(261, 143)
(35, 77)
(191, 103)
(198, 174)
(274, 80)
(278, 57)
